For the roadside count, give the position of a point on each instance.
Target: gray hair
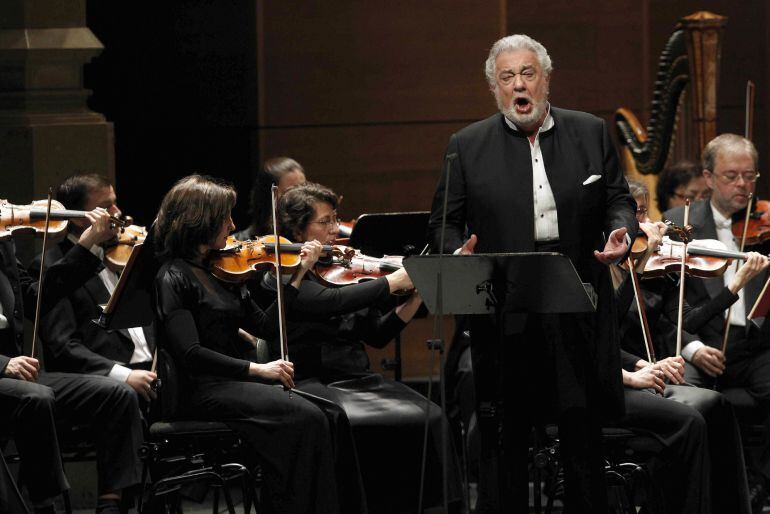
(511, 43)
(727, 143)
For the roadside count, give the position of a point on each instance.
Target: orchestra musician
(283, 172)
(200, 318)
(34, 401)
(73, 342)
(680, 182)
(538, 178)
(730, 167)
(696, 426)
(327, 330)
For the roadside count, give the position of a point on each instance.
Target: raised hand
(615, 248)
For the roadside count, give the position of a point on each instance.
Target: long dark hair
(192, 214)
(297, 207)
(672, 177)
(260, 203)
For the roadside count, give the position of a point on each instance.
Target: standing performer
(200, 318)
(730, 167)
(539, 178)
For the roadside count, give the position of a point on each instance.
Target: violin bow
(278, 279)
(748, 131)
(641, 309)
(41, 274)
(680, 313)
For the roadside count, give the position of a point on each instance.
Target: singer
(536, 178)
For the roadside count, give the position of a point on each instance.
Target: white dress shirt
(546, 219)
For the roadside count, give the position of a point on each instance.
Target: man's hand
(672, 368)
(141, 381)
(469, 246)
(710, 360)
(22, 368)
(754, 265)
(615, 248)
(102, 228)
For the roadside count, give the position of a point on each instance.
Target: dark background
(366, 94)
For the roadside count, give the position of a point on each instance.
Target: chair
(179, 453)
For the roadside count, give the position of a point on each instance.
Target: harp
(683, 114)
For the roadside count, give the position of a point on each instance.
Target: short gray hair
(511, 43)
(727, 143)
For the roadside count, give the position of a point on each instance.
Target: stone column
(47, 131)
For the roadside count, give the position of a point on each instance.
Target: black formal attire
(748, 348)
(702, 469)
(72, 341)
(571, 363)
(200, 317)
(108, 408)
(327, 330)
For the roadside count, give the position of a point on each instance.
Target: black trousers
(290, 435)
(107, 407)
(539, 376)
(702, 469)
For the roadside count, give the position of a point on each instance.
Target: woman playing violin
(702, 447)
(201, 317)
(328, 328)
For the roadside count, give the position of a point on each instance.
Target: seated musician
(200, 318)
(696, 426)
(680, 182)
(34, 401)
(730, 166)
(328, 328)
(283, 172)
(73, 342)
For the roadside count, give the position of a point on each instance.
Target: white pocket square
(591, 179)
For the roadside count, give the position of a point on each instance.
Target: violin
(31, 219)
(117, 252)
(758, 226)
(349, 266)
(239, 261)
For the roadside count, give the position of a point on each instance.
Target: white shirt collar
(720, 220)
(547, 122)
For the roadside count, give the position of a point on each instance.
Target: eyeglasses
(730, 177)
(705, 195)
(642, 210)
(328, 223)
(527, 74)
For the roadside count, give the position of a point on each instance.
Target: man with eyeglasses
(730, 169)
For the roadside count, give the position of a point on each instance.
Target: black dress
(200, 317)
(327, 328)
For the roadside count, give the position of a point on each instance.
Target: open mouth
(522, 105)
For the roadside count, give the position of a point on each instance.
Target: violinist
(680, 182)
(327, 330)
(34, 401)
(697, 427)
(200, 319)
(283, 172)
(730, 167)
(73, 343)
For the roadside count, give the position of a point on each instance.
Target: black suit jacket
(490, 194)
(72, 341)
(699, 291)
(18, 291)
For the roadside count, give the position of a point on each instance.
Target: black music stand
(131, 304)
(494, 284)
(391, 233)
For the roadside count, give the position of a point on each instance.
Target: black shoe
(757, 495)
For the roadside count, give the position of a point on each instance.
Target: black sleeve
(174, 301)
(377, 329)
(264, 324)
(4, 360)
(628, 360)
(693, 318)
(316, 299)
(621, 206)
(61, 278)
(455, 197)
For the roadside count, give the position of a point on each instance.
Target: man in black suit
(73, 343)
(730, 167)
(34, 403)
(538, 178)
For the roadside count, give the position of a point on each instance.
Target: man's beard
(525, 121)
